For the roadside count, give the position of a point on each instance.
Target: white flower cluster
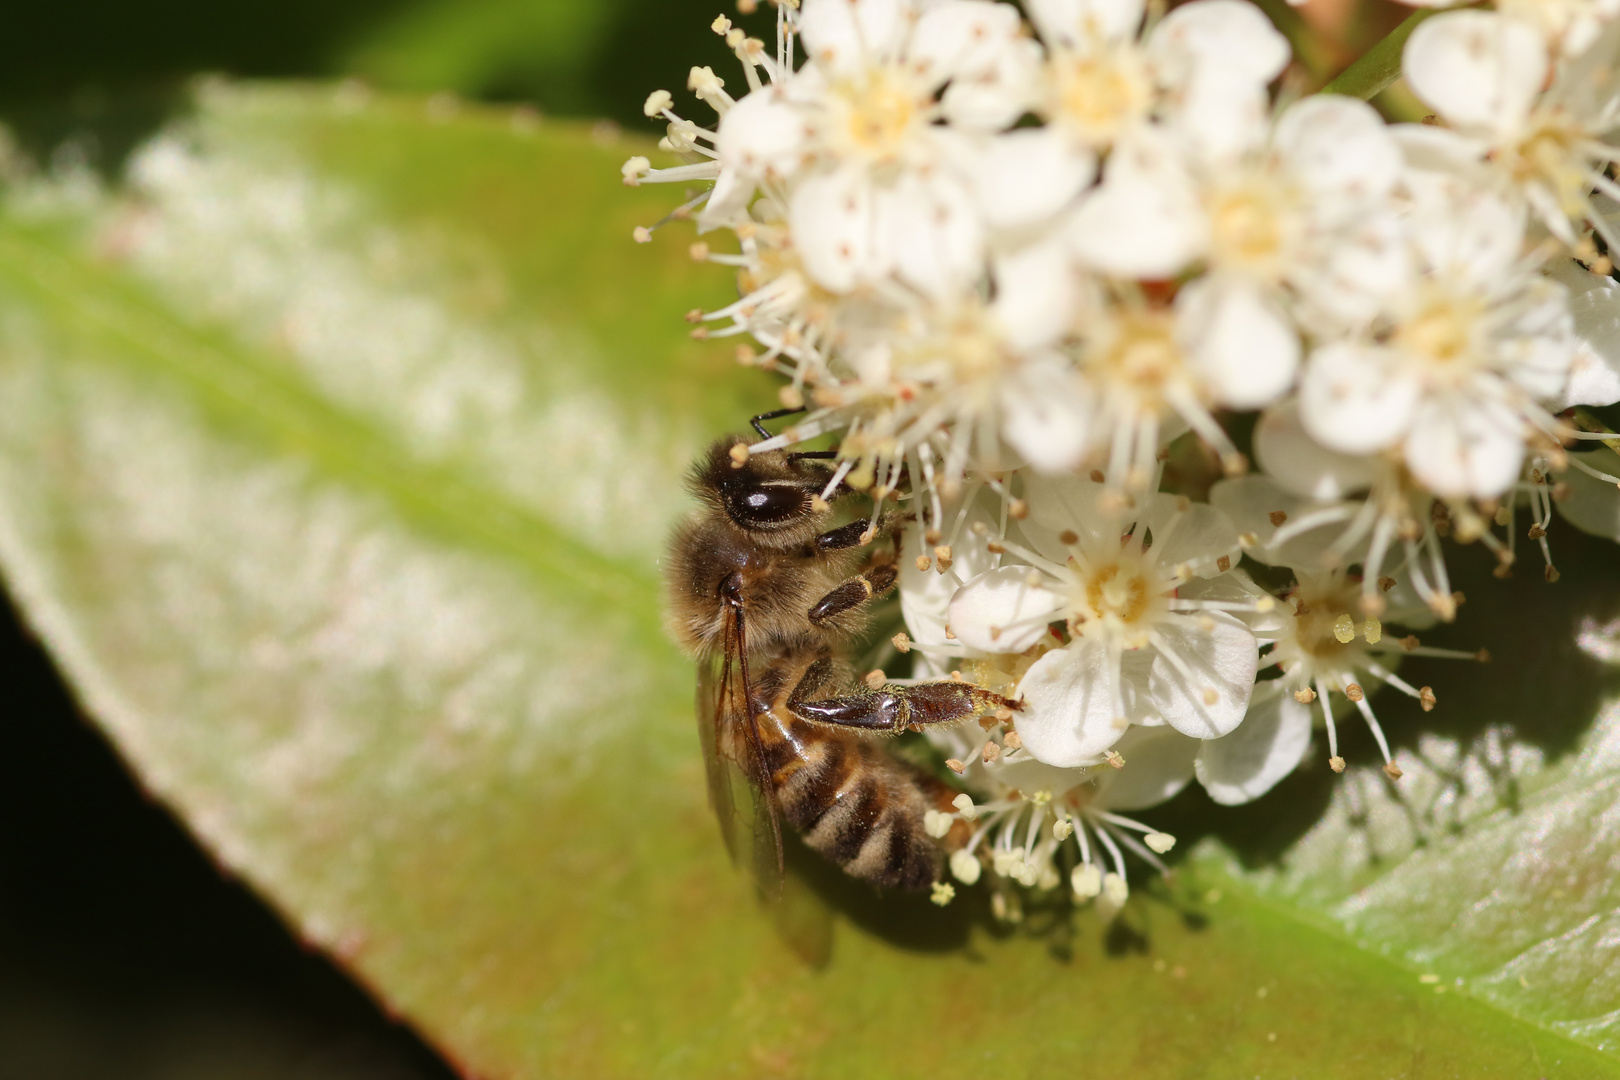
(1028, 272)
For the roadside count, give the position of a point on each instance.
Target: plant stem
(1380, 65)
(1314, 54)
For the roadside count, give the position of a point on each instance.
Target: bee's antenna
(758, 422)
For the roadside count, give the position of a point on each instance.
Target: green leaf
(336, 457)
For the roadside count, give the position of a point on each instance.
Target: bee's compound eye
(767, 504)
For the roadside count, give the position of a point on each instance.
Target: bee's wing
(743, 805)
(738, 792)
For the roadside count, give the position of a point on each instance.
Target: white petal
(832, 220)
(1001, 611)
(930, 232)
(846, 35)
(925, 595)
(1028, 774)
(1465, 446)
(1220, 118)
(1362, 264)
(1593, 505)
(959, 37)
(1538, 346)
(1266, 747)
(1046, 414)
(1241, 345)
(1476, 68)
(1069, 715)
(1073, 21)
(1250, 501)
(1145, 220)
(764, 135)
(1594, 375)
(1037, 294)
(1059, 504)
(1158, 764)
(1221, 662)
(1026, 176)
(728, 202)
(992, 99)
(1353, 398)
(1230, 35)
(1463, 230)
(1194, 539)
(1338, 148)
(1303, 466)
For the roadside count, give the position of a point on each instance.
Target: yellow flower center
(1551, 153)
(876, 114)
(1139, 360)
(1441, 334)
(1099, 94)
(1250, 225)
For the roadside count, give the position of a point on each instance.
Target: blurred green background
(109, 70)
(125, 954)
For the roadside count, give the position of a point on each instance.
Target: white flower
(1137, 652)
(1484, 73)
(1318, 509)
(1034, 819)
(1454, 373)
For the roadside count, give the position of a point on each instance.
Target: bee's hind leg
(897, 708)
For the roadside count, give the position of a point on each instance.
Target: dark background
(125, 954)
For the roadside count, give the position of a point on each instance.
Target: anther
(955, 766)
(694, 316)
(1344, 629)
(1336, 764)
(1392, 770)
(1426, 698)
(901, 642)
(1115, 758)
(990, 752)
(1224, 563)
(1097, 476)
(739, 455)
(1068, 538)
(1483, 656)
(1160, 842)
(1277, 518)
(1386, 583)
(942, 556)
(641, 234)
(1551, 574)
(1373, 631)
(1211, 697)
(875, 679)
(1354, 692)
(1012, 740)
(1018, 509)
(818, 505)
(995, 547)
(700, 253)
(924, 563)
(944, 892)
(964, 806)
(1305, 696)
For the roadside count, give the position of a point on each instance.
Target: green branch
(1380, 65)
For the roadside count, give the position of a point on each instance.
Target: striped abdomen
(853, 802)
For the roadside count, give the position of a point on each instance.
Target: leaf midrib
(237, 385)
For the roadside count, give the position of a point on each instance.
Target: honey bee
(767, 597)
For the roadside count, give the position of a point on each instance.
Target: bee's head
(772, 496)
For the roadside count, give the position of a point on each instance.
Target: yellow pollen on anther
(1373, 630)
(1344, 629)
